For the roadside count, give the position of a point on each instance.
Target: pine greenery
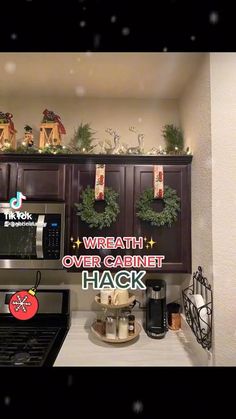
(82, 139)
(94, 219)
(173, 137)
(158, 219)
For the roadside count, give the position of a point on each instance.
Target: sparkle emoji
(151, 242)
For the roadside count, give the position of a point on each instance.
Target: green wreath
(96, 219)
(159, 219)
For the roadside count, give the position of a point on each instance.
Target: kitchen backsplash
(81, 299)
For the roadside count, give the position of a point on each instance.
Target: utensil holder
(199, 318)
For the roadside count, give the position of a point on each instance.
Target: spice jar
(111, 327)
(174, 317)
(123, 327)
(131, 325)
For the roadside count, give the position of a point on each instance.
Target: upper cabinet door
(117, 177)
(4, 182)
(41, 182)
(173, 242)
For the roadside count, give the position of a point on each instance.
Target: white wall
(80, 299)
(147, 115)
(223, 119)
(195, 116)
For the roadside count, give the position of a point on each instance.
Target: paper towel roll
(199, 302)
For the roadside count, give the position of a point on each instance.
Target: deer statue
(116, 139)
(138, 149)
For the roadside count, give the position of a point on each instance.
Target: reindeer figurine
(116, 139)
(138, 149)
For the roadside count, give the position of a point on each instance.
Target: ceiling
(106, 75)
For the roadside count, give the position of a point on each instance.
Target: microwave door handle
(39, 236)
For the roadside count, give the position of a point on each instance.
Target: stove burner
(32, 341)
(20, 358)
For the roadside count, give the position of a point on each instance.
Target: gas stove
(35, 342)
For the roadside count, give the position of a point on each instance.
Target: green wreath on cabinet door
(95, 219)
(159, 219)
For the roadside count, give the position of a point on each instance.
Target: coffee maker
(156, 314)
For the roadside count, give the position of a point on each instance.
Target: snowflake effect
(193, 38)
(80, 90)
(7, 400)
(137, 407)
(214, 17)
(113, 19)
(10, 67)
(96, 40)
(14, 36)
(21, 304)
(125, 31)
(69, 380)
(82, 24)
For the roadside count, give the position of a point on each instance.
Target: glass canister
(123, 330)
(110, 327)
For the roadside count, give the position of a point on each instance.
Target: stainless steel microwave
(32, 237)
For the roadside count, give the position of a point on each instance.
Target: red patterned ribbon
(51, 116)
(99, 182)
(61, 127)
(158, 181)
(9, 117)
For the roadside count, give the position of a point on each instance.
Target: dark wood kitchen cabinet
(63, 177)
(130, 181)
(4, 182)
(173, 242)
(118, 178)
(41, 182)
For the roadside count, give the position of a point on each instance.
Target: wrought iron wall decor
(198, 317)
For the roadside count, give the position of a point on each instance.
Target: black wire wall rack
(199, 318)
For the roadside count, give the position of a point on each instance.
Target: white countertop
(82, 348)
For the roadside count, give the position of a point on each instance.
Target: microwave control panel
(52, 236)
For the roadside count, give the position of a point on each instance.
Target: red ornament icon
(24, 305)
